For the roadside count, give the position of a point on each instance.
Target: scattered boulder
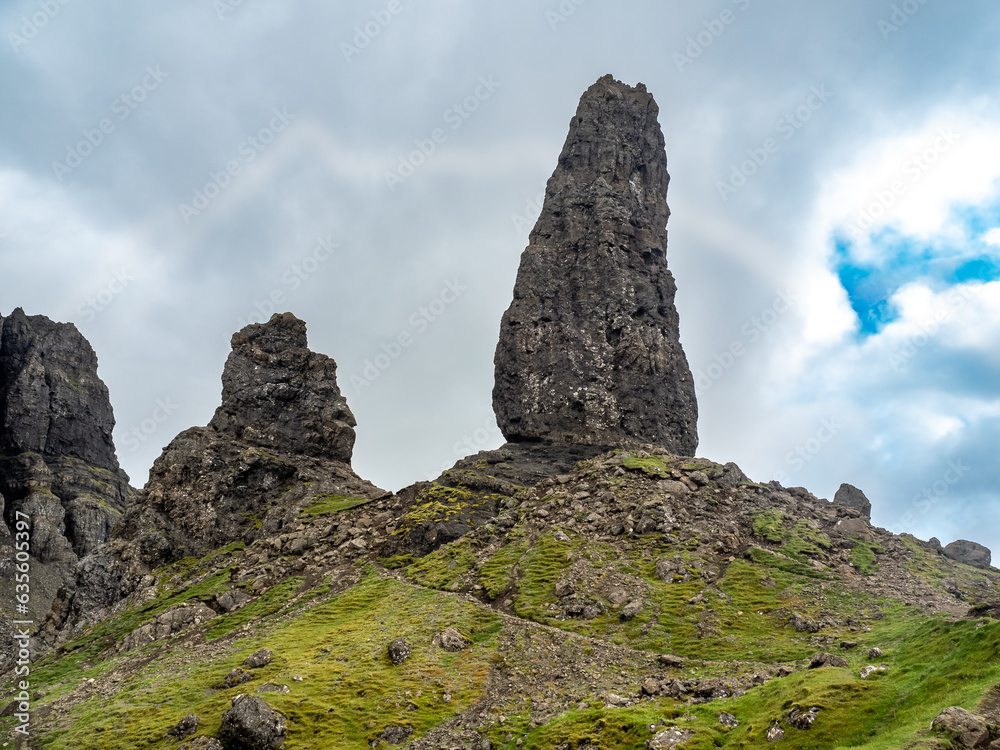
(393, 736)
(184, 728)
(964, 729)
(853, 528)
(251, 724)
(173, 620)
(775, 733)
(669, 739)
(728, 720)
(589, 350)
(970, 553)
(268, 687)
(672, 660)
(804, 624)
(802, 719)
(848, 645)
(258, 659)
(231, 600)
(631, 609)
(236, 677)
(399, 651)
(824, 659)
(875, 653)
(851, 497)
(450, 640)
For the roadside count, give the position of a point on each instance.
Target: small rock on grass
(399, 651)
(258, 659)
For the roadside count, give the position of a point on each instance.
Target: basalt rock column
(589, 349)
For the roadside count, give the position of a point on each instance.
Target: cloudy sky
(171, 172)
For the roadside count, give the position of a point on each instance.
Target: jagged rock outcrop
(276, 394)
(589, 350)
(851, 497)
(283, 435)
(970, 553)
(57, 455)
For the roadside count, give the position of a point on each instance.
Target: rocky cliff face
(57, 455)
(281, 438)
(589, 350)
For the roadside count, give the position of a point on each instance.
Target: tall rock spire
(589, 349)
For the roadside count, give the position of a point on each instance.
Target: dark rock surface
(51, 400)
(970, 553)
(57, 455)
(589, 350)
(964, 729)
(399, 651)
(851, 497)
(251, 724)
(278, 395)
(283, 436)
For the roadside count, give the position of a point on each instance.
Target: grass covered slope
(637, 595)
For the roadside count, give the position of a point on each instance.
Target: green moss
(333, 504)
(497, 573)
(444, 565)
(770, 525)
(762, 557)
(863, 557)
(805, 542)
(654, 465)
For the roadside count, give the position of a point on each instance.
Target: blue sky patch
(901, 260)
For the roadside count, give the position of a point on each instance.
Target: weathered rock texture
(589, 349)
(276, 394)
(970, 553)
(57, 455)
(851, 497)
(282, 437)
